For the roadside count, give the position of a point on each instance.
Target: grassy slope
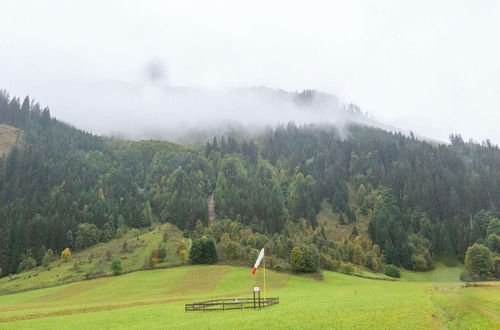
(9, 136)
(97, 260)
(155, 299)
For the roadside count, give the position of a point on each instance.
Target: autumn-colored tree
(66, 254)
(153, 260)
(184, 255)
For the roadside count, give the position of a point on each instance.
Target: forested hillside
(67, 188)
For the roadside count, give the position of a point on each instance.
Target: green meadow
(155, 299)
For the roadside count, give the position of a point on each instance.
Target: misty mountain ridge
(190, 115)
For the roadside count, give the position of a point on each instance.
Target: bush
(162, 253)
(153, 259)
(66, 254)
(494, 243)
(184, 255)
(496, 264)
(418, 262)
(304, 259)
(116, 266)
(203, 251)
(478, 260)
(297, 260)
(26, 264)
(392, 271)
(467, 276)
(283, 267)
(347, 268)
(372, 262)
(48, 258)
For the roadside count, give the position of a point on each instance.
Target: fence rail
(230, 304)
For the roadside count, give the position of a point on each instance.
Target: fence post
(223, 306)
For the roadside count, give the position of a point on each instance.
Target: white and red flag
(257, 262)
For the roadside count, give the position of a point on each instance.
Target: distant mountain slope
(67, 187)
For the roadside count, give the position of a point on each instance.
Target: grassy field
(9, 136)
(155, 299)
(441, 273)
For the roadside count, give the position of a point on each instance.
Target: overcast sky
(428, 66)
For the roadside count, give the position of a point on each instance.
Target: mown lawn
(155, 299)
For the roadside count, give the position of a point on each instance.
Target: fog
(153, 109)
(160, 69)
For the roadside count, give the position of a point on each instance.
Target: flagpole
(264, 279)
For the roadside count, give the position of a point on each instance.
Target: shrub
(153, 259)
(392, 271)
(203, 251)
(162, 253)
(372, 262)
(283, 267)
(48, 258)
(418, 262)
(66, 254)
(27, 263)
(297, 260)
(478, 260)
(304, 259)
(467, 276)
(347, 268)
(184, 255)
(496, 264)
(116, 266)
(494, 243)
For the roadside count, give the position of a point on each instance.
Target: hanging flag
(257, 262)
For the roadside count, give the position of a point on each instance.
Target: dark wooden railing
(230, 304)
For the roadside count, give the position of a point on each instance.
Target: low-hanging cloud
(158, 111)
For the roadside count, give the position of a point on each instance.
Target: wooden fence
(230, 304)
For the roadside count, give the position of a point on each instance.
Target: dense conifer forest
(62, 187)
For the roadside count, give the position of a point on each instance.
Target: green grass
(96, 260)
(440, 273)
(155, 299)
